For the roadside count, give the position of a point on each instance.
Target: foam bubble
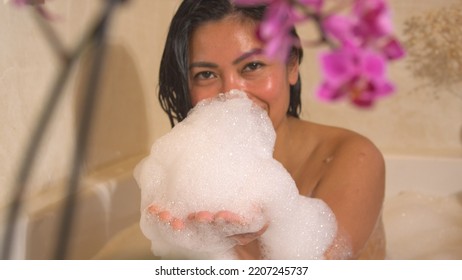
(221, 158)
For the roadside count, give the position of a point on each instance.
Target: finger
(228, 217)
(165, 216)
(153, 209)
(177, 224)
(204, 217)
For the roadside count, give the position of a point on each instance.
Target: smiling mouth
(260, 104)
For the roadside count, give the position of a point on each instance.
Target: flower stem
(95, 35)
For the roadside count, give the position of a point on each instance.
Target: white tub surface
(421, 226)
(423, 208)
(432, 175)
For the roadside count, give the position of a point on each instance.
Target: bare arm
(353, 187)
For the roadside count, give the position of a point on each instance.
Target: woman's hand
(221, 221)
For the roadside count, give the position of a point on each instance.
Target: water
(423, 226)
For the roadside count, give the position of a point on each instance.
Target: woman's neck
(292, 142)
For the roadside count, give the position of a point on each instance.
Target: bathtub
(423, 208)
(422, 214)
(108, 203)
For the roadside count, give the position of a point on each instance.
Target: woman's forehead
(226, 37)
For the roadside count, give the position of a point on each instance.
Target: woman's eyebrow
(246, 55)
(203, 64)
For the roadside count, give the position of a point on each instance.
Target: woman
(212, 48)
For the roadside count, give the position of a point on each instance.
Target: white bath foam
(423, 226)
(220, 158)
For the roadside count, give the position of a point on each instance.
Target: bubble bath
(220, 158)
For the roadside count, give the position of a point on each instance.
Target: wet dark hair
(174, 94)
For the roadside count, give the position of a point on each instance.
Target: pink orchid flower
(357, 74)
(374, 18)
(375, 25)
(362, 39)
(275, 29)
(280, 18)
(368, 26)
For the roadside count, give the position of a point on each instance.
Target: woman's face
(226, 55)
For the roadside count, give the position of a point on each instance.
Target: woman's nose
(230, 82)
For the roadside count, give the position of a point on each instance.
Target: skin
(341, 167)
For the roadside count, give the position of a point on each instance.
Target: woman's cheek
(266, 89)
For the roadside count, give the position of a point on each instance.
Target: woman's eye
(253, 66)
(205, 75)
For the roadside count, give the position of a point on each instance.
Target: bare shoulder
(334, 155)
(352, 184)
(349, 150)
(353, 148)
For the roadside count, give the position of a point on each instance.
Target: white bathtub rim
(438, 175)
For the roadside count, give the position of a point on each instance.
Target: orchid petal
(327, 92)
(383, 88)
(393, 49)
(372, 64)
(337, 66)
(341, 28)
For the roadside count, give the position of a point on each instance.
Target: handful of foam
(221, 158)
